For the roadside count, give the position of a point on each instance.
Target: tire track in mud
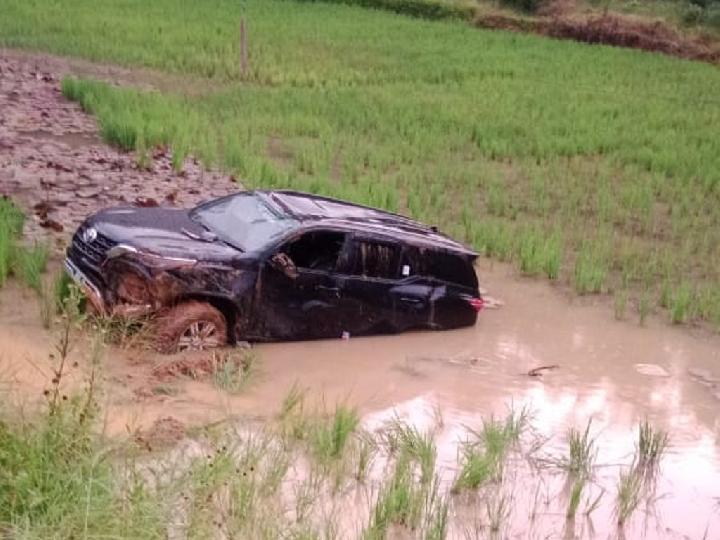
(55, 167)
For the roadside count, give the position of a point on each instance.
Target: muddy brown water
(613, 373)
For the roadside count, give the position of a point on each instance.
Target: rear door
(386, 300)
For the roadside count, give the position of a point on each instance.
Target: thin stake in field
(243, 49)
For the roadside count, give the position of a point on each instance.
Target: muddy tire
(191, 326)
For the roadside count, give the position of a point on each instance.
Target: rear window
(439, 265)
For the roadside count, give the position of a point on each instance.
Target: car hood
(165, 232)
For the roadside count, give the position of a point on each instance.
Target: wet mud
(54, 165)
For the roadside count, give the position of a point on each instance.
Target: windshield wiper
(206, 236)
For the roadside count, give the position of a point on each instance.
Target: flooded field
(561, 361)
(610, 373)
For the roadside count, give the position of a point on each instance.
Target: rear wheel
(191, 326)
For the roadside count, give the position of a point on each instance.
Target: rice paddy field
(596, 167)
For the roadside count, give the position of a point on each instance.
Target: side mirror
(282, 263)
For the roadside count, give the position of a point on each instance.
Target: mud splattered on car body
(273, 265)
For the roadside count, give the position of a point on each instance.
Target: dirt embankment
(608, 29)
(54, 165)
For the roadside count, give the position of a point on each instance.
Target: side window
(316, 250)
(375, 259)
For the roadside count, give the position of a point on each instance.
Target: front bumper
(88, 288)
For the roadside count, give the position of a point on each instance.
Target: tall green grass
(592, 165)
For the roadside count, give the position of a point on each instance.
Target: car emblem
(89, 235)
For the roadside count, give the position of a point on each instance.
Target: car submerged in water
(272, 265)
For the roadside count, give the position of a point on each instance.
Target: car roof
(314, 210)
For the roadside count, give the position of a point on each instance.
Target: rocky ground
(54, 165)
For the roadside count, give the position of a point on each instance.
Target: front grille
(89, 256)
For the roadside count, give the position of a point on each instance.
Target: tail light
(476, 303)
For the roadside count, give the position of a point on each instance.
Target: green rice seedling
(498, 509)
(682, 303)
(11, 224)
(644, 306)
(477, 468)
(651, 445)
(620, 304)
(628, 494)
(30, 263)
(575, 497)
(400, 501)
(419, 447)
(328, 438)
(365, 452)
(594, 504)
(48, 308)
(62, 289)
(233, 371)
(435, 514)
(293, 422)
(482, 457)
(581, 453)
(590, 271)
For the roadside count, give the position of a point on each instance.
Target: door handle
(411, 300)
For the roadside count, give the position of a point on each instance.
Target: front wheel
(191, 326)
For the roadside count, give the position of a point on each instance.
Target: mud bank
(54, 165)
(609, 29)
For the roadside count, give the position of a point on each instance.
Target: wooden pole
(243, 49)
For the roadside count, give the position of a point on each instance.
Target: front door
(303, 298)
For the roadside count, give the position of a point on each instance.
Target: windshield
(244, 220)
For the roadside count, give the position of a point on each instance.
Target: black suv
(272, 265)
